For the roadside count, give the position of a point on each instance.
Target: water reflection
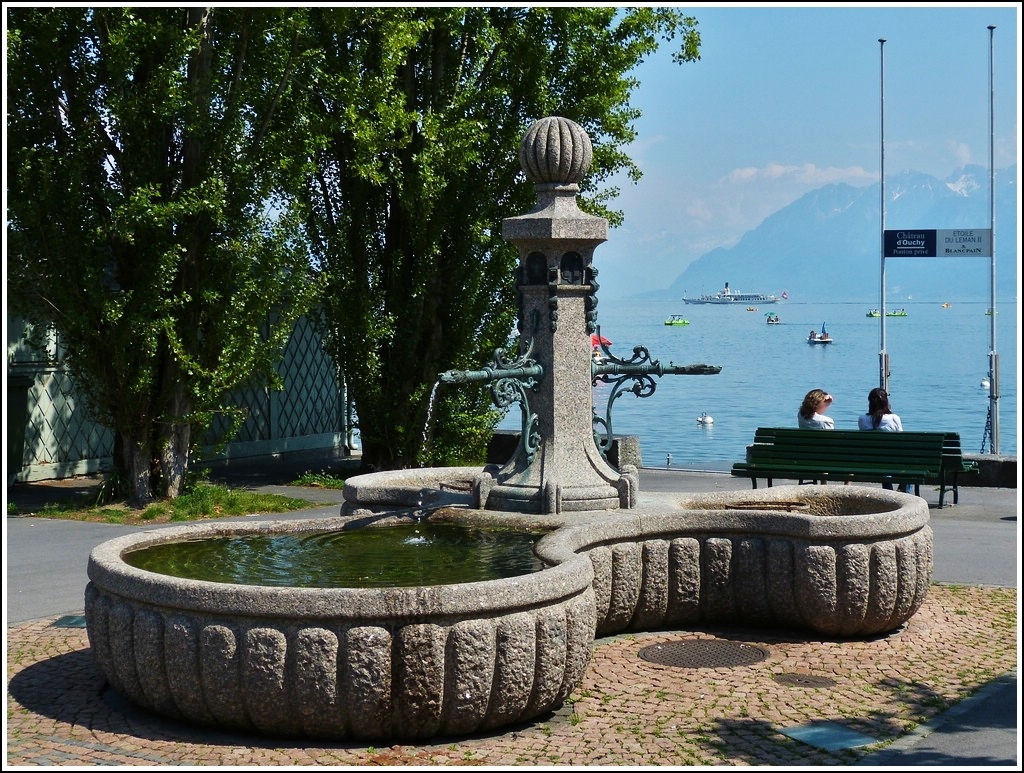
(405, 555)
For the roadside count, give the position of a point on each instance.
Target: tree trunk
(378, 456)
(176, 443)
(135, 461)
(175, 447)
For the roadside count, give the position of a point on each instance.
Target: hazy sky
(788, 98)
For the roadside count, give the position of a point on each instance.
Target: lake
(938, 358)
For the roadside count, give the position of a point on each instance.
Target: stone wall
(994, 471)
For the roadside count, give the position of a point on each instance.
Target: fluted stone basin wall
(338, 663)
(456, 659)
(853, 563)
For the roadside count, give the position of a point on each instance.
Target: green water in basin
(405, 555)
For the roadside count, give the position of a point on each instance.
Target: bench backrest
(898, 450)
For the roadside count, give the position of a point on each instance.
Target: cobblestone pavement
(628, 710)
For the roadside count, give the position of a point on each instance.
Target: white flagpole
(883, 356)
(993, 356)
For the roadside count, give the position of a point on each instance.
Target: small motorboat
(772, 318)
(896, 313)
(677, 319)
(946, 305)
(985, 384)
(705, 419)
(873, 313)
(751, 308)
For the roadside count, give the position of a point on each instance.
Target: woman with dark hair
(881, 417)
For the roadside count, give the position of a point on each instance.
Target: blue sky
(787, 98)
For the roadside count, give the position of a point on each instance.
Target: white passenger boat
(727, 297)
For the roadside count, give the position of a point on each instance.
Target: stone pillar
(556, 242)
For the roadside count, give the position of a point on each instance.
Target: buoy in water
(705, 419)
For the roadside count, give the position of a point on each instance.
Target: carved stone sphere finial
(555, 150)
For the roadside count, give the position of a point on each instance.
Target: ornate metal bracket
(509, 380)
(639, 369)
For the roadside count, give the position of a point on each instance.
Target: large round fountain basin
(338, 663)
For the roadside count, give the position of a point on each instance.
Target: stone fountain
(449, 660)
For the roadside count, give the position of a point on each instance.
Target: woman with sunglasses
(812, 411)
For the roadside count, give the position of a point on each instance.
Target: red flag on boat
(785, 295)
(596, 340)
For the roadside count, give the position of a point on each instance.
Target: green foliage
(146, 223)
(333, 477)
(319, 480)
(420, 112)
(153, 512)
(114, 488)
(175, 173)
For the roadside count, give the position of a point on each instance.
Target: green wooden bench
(820, 456)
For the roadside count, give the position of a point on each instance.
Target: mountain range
(826, 245)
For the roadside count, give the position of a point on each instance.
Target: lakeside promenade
(940, 691)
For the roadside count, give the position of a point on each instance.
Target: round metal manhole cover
(804, 680)
(789, 507)
(704, 653)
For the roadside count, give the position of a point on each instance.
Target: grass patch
(209, 501)
(333, 478)
(320, 480)
(205, 500)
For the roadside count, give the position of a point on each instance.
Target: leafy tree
(421, 112)
(146, 148)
